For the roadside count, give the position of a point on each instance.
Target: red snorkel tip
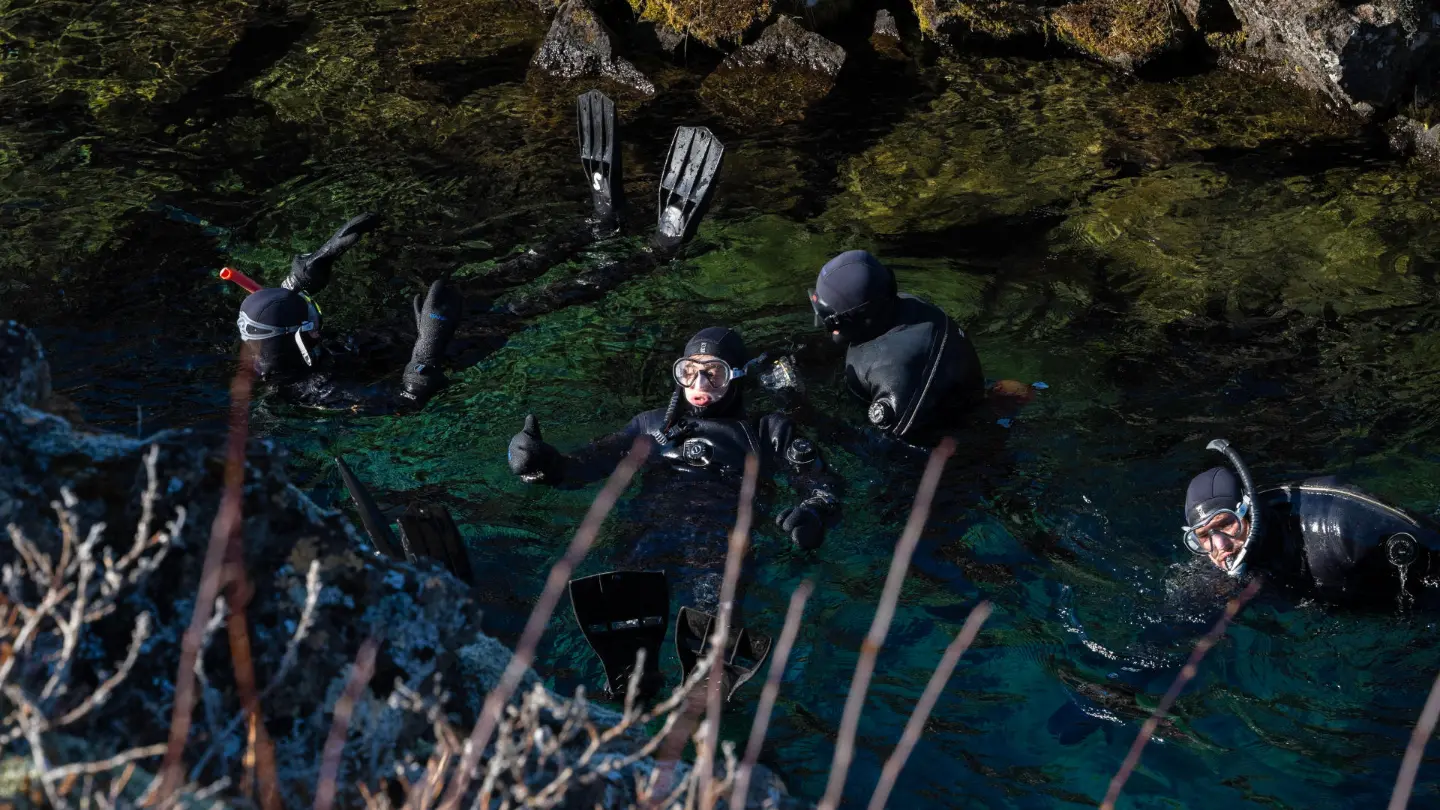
(245, 282)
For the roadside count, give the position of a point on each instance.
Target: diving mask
(1228, 522)
(717, 373)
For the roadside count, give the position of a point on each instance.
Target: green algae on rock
(1010, 136)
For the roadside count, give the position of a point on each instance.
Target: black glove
(310, 272)
(804, 524)
(530, 457)
(435, 322)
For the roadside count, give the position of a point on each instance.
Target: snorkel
(246, 283)
(1247, 504)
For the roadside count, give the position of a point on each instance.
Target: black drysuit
(1324, 539)
(921, 373)
(691, 490)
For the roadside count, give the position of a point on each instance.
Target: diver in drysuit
(905, 357)
(282, 324)
(701, 441)
(1315, 537)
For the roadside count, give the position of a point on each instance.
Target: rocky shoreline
(1375, 61)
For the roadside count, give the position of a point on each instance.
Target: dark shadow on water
(266, 40)
(455, 79)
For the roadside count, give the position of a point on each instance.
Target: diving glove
(310, 272)
(531, 458)
(435, 322)
(804, 525)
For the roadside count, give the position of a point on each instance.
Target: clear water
(1178, 261)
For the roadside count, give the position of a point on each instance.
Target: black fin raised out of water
(599, 127)
(428, 530)
(370, 517)
(691, 169)
(621, 613)
(744, 651)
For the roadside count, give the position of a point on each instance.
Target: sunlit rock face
(777, 76)
(1362, 56)
(579, 44)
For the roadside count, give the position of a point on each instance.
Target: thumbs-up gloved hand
(531, 458)
(435, 321)
(310, 272)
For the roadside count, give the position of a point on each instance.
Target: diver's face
(702, 386)
(1222, 537)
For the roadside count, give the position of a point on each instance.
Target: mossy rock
(1000, 19)
(710, 21)
(1123, 33)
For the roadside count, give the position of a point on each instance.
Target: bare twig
(739, 542)
(1186, 673)
(535, 626)
(102, 692)
(870, 649)
(771, 690)
(287, 662)
(225, 530)
(916, 724)
(1405, 781)
(360, 676)
(124, 758)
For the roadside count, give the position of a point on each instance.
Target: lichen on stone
(709, 21)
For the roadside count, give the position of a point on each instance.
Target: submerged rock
(777, 76)
(1360, 56)
(579, 44)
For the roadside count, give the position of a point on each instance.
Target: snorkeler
(687, 182)
(282, 325)
(905, 357)
(701, 440)
(1314, 537)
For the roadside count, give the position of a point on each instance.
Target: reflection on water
(1178, 261)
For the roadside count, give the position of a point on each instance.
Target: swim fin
(370, 517)
(620, 613)
(744, 653)
(428, 530)
(600, 155)
(691, 169)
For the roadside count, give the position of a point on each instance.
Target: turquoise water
(1177, 261)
